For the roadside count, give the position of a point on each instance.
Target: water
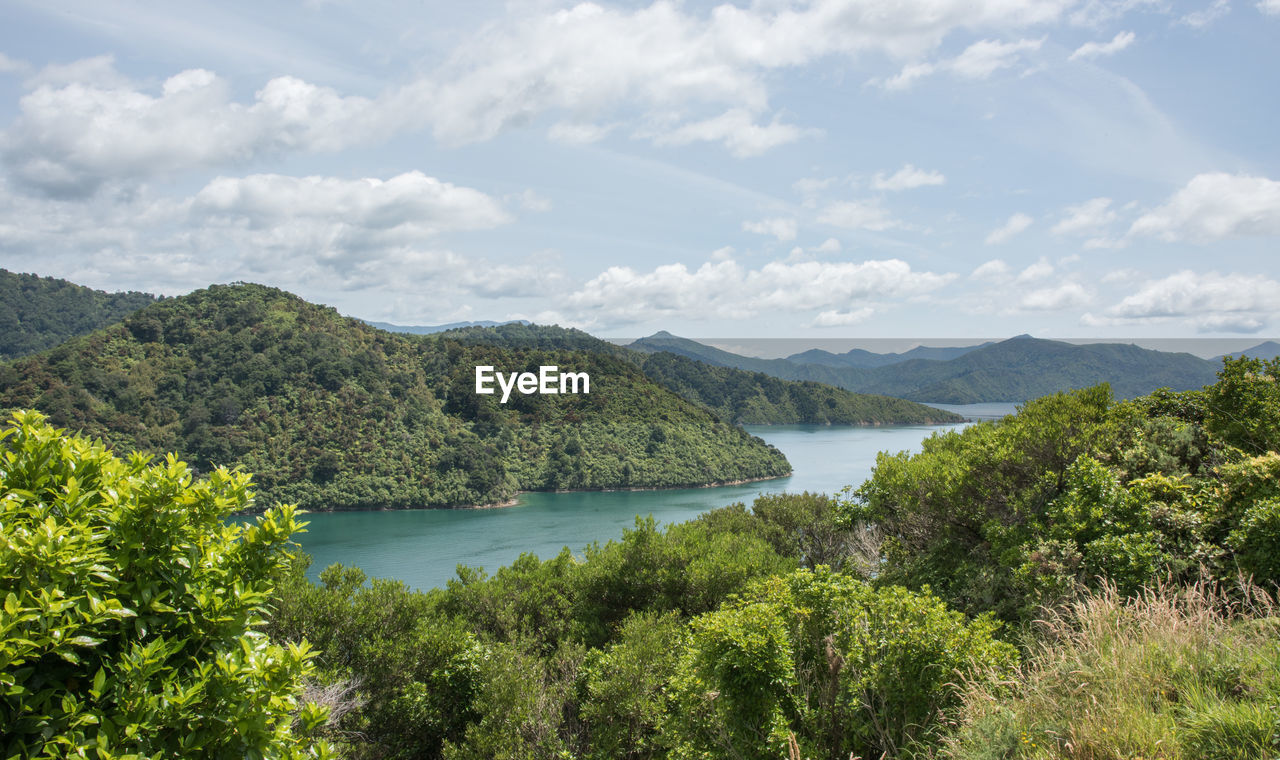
(423, 547)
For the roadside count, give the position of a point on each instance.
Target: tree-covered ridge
(754, 398)
(1017, 369)
(740, 396)
(330, 413)
(1078, 489)
(37, 313)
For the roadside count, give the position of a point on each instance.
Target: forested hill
(40, 312)
(330, 413)
(1017, 369)
(736, 395)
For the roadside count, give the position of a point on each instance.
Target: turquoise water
(423, 547)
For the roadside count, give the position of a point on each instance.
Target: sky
(772, 169)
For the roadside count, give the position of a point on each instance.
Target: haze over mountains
(1016, 369)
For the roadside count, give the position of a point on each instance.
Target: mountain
(861, 358)
(736, 395)
(754, 398)
(1267, 350)
(429, 329)
(1016, 369)
(330, 413)
(1024, 368)
(40, 312)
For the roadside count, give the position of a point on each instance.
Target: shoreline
(515, 500)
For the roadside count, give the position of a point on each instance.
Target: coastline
(515, 499)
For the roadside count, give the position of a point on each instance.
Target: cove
(423, 547)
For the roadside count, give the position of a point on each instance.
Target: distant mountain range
(867, 359)
(431, 329)
(1268, 350)
(1017, 369)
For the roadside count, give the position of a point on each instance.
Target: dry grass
(1189, 673)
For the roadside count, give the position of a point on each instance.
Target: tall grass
(1177, 673)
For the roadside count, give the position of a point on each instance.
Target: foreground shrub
(828, 666)
(1178, 674)
(130, 610)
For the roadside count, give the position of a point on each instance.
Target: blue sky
(826, 169)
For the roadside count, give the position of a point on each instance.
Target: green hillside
(331, 413)
(40, 312)
(740, 396)
(754, 398)
(1017, 369)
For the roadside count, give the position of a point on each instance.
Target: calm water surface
(424, 547)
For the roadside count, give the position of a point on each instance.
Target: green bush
(130, 609)
(828, 663)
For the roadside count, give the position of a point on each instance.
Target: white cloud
(1213, 207)
(1089, 217)
(1211, 300)
(737, 129)
(1097, 13)
(1229, 323)
(1037, 271)
(836, 318)
(782, 228)
(77, 130)
(725, 289)
(1064, 296)
(994, 269)
(295, 232)
(13, 65)
(982, 59)
(530, 200)
(855, 215)
(978, 61)
(830, 245)
(812, 186)
(410, 205)
(1204, 17)
(1015, 225)
(910, 74)
(1120, 275)
(1121, 41)
(1269, 7)
(702, 75)
(578, 133)
(907, 178)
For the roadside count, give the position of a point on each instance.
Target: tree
(130, 609)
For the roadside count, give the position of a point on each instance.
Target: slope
(331, 413)
(40, 312)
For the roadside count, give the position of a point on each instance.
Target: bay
(423, 547)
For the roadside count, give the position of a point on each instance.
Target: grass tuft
(1189, 673)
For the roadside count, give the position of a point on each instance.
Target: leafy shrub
(827, 662)
(130, 610)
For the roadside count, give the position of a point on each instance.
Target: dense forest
(329, 413)
(740, 396)
(1085, 579)
(40, 312)
(1017, 369)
